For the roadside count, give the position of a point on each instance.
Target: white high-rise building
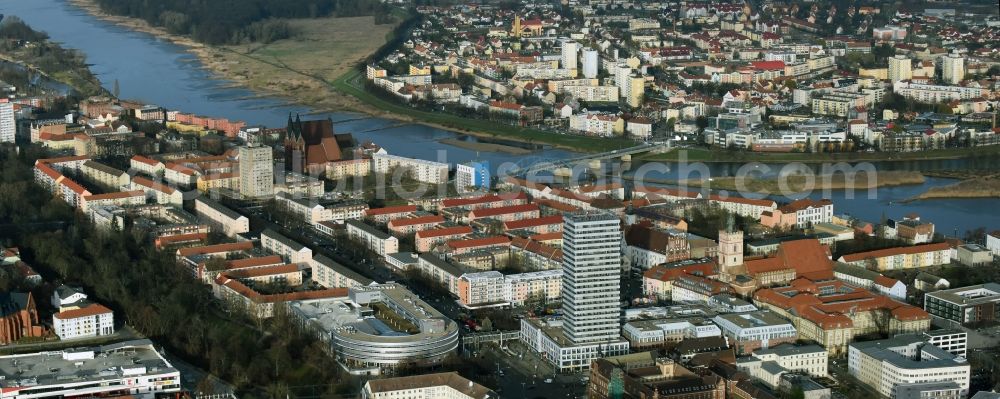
(622, 73)
(591, 290)
(590, 63)
(900, 68)
(569, 52)
(8, 126)
(952, 68)
(256, 172)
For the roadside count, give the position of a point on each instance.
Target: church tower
(730, 249)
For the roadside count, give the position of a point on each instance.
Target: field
(987, 186)
(301, 67)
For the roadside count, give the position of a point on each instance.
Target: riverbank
(272, 71)
(32, 51)
(975, 184)
(707, 155)
(485, 147)
(796, 184)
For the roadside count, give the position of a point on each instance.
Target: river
(159, 72)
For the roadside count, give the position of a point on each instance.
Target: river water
(160, 72)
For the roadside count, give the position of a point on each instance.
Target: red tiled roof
(453, 202)
(48, 171)
(916, 249)
(115, 195)
(390, 210)
(145, 160)
(557, 235)
(416, 220)
(87, 311)
(76, 187)
(63, 159)
(533, 222)
(479, 242)
(254, 262)
(445, 231)
(769, 65)
(503, 210)
(217, 248)
(163, 188)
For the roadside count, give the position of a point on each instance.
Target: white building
(755, 330)
(223, 219)
(88, 320)
(256, 172)
(953, 68)
(993, 242)
(591, 323)
(372, 238)
(426, 386)
(768, 365)
(591, 268)
(131, 368)
(8, 125)
(419, 169)
(891, 365)
(569, 52)
(590, 63)
(289, 250)
(900, 68)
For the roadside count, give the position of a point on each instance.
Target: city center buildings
(591, 324)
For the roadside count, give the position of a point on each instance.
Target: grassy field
(718, 155)
(301, 68)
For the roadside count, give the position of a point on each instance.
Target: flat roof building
(972, 304)
(132, 368)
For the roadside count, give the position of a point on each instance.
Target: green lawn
(479, 126)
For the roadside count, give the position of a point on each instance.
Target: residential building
(256, 172)
(87, 320)
(953, 68)
(289, 250)
(376, 240)
(966, 305)
(417, 169)
(331, 274)
(472, 175)
(426, 386)
(410, 225)
(157, 192)
(8, 125)
(871, 280)
(533, 287)
(891, 365)
(900, 68)
(481, 289)
(425, 240)
(130, 368)
(800, 213)
(384, 215)
(223, 219)
(917, 256)
(103, 175)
